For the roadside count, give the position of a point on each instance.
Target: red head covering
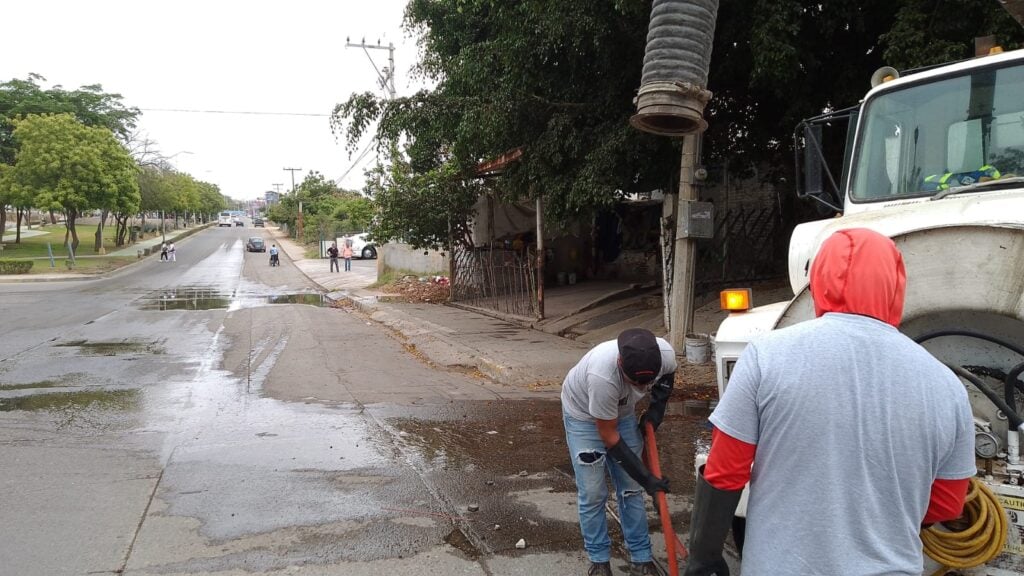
(859, 271)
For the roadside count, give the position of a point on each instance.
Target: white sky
(219, 55)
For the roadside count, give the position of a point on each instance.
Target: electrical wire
(359, 159)
(245, 112)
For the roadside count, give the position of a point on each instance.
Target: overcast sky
(283, 57)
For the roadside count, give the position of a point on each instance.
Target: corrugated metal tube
(673, 90)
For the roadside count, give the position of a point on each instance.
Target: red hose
(672, 544)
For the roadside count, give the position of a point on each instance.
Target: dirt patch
(417, 289)
(695, 382)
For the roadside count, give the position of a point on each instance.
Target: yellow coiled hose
(975, 539)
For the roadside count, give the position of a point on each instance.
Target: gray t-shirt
(853, 422)
(594, 388)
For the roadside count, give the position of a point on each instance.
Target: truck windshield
(940, 134)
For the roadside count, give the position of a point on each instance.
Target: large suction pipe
(673, 90)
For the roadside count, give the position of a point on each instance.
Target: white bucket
(696, 348)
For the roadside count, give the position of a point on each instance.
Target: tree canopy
(327, 209)
(65, 165)
(776, 62)
(89, 104)
(557, 80)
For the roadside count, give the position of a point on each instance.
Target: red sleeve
(947, 501)
(728, 466)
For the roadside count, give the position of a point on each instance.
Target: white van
(225, 220)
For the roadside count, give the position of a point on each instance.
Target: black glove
(629, 462)
(713, 510)
(660, 393)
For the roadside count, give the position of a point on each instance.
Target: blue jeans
(348, 264)
(590, 463)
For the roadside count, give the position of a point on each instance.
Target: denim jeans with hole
(592, 466)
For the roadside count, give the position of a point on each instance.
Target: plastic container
(697, 348)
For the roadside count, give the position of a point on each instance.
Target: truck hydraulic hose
(1010, 382)
(974, 539)
(1004, 343)
(1011, 414)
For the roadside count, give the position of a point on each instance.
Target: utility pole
(298, 224)
(277, 187)
(387, 77)
(685, 249)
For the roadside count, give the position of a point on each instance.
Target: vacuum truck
(934, 159)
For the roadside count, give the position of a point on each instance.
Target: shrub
(12, 266)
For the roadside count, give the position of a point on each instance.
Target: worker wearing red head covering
(859, 271)
(850, 435)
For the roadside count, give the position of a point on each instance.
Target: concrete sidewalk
(450, 337)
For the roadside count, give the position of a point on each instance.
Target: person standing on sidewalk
(851, 435)
(599, 397)
(347, 254)
(333, 253)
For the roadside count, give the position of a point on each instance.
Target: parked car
(362, 247)
(255, 244)
(257, 222)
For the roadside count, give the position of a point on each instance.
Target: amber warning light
(736, 299)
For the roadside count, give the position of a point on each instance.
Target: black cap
(639, 355)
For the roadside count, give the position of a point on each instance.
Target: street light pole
(298, 223)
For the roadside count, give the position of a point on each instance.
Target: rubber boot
(713, 510)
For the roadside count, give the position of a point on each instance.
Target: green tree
(69, 166)
(89, 104)
(557, 79)
(554, 79)
(776, 62)
(425, 209)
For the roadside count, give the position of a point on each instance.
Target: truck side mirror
(812, 162)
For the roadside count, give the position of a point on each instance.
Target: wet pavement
(212, 416)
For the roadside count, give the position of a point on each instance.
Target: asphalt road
(210, 416)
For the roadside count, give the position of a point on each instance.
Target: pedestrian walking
(599, 397)
(163, 252)
(274, 260)
(346, 253)
(333, 253)
(171, 252)
(817, 416)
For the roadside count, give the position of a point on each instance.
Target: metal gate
(500, 280)
(749, 244)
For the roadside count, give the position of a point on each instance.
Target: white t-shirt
(594, 388)
(853, 422)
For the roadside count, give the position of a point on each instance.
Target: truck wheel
(369, 252)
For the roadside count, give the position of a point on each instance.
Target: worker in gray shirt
(599, 397)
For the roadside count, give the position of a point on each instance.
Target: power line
(357, 161)
(245, 112)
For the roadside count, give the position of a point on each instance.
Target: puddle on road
(202, 298)
(114, 348)
(73, 401)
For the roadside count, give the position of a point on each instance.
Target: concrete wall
(394, 256)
